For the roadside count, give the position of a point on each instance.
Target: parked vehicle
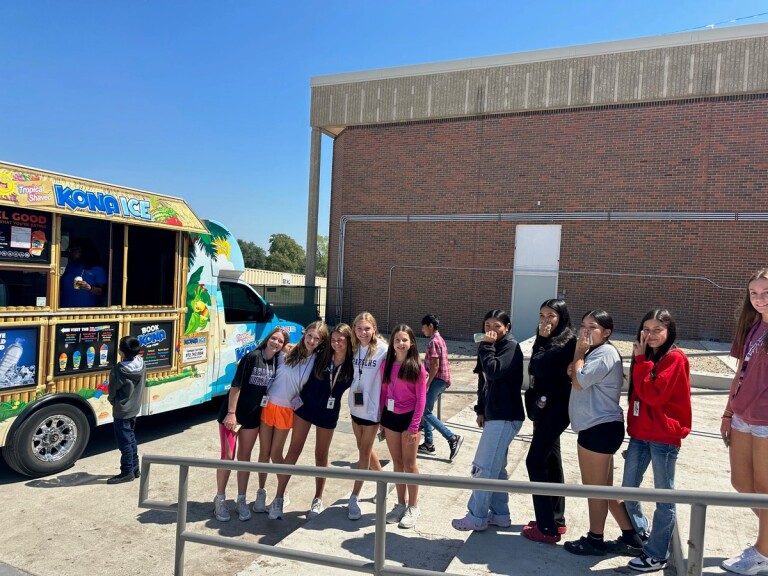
(84, 263)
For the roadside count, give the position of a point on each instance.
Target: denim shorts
(740, 426)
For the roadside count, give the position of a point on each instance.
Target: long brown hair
(748, 316)
(410, 369)
(265, 340)
(324, 360)
(300, 351)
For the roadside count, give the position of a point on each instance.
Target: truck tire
(48, 441)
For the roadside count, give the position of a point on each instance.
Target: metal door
(534, 279)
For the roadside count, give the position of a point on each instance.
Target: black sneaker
(425, 448)
(455, 444)
(120, 478)
(645, 563)
(137, 472)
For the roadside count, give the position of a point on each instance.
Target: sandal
(620, 547)
(583, 547)
(533, 533)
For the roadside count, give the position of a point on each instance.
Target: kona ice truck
(84, 263)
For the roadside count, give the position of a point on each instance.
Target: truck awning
(22, 187)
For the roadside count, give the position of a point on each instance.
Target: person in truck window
(84, 280)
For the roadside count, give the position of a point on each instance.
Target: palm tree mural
(198, 299)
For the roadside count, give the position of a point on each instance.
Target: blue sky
(209, 101)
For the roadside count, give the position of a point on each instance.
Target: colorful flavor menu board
(25, 235)
(156, 339)
(85, 348)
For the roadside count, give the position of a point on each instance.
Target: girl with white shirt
(282, 398)
(368, 352)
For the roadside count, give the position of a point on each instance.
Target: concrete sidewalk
(433, 544)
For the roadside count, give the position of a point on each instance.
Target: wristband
(726, 417)
(231, 412)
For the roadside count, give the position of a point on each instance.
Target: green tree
(285, 255)
(321, 264)
(254, 256)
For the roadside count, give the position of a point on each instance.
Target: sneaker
(260, 506)
(533, 533)
(425, 448)
(286, 501)
(120, 478)
(353, 508)
(137, 472)
(748, 562)
(455, 444)
(645, 563)
(409, 518)
(499, 521)
(315, 509)
(396, 514)
(242, 509)
(276, 509)
(465, 524)
(220, 509)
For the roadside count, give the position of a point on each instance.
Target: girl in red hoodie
(658, 418)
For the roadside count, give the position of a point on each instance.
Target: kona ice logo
(100, 203)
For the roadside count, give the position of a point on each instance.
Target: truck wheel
(48, 441)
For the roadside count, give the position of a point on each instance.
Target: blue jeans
(126, 442)
(429, 420)
(663, 459)
(491, 463)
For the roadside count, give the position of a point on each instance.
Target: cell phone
(380, 435)
(236, 428)
(358, 398)
(479, 337)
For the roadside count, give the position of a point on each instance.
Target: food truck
(83, 263)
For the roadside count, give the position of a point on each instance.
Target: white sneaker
(315, 509)
(286, 501)
(220, 509)
(353, 508)
(750, 562)
(260, 506)
(409, 518)
(242, 509)
(276, 509)
(396, 514)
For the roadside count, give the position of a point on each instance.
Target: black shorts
(604, 438)
(396, 422)
(363, 421)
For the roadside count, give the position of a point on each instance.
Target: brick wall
(694, 156)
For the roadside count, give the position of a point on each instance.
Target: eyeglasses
(655, 331)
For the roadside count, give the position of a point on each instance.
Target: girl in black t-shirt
(240, 416)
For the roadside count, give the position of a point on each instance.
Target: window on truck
(85, 262)
(150, 270)
(23, 287)
(241, 304)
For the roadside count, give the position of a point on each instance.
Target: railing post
(181, 520)
(696, 540)
(379, 542)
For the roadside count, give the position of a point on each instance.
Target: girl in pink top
(403, 396)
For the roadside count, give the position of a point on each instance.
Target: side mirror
(269, 313)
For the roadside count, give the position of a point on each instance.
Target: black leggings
(545, 465)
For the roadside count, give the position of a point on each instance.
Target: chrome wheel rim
(54, 438)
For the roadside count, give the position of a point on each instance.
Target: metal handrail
(697, 499)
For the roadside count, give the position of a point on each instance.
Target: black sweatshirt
(548, 369)
(499, 380)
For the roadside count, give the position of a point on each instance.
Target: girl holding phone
(368, 352)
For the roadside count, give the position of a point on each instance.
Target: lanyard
(334, 374)
(360, 362)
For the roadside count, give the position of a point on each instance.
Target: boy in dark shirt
(126, 386)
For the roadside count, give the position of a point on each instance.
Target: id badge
(391, 404)
(358, 397)
(636, 408)
(264, 401)
(296, 402)
(331, 403)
